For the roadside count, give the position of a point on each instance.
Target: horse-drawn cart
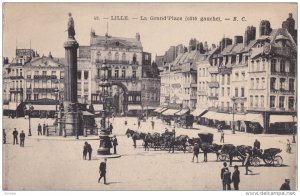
(269, 156)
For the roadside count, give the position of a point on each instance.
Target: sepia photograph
(149, 97)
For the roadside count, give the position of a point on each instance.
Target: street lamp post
(294, 137)
(233, 108)
(31, 108)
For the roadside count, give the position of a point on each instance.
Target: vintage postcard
(149, 96)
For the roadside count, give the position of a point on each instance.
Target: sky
(44, 24)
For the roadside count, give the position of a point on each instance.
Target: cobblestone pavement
(55, 163)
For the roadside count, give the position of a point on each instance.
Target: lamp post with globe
(233, 110)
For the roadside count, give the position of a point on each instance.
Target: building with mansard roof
(252, 83)
(123, 58)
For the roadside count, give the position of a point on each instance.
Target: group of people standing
(43, 130)
(15, 134)
(227, 178)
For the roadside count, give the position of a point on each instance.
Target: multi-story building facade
(123, 59)
(252, 81)
(179, 79)
(44, 79)
(150, 83)
(14, 78)
(272, 78)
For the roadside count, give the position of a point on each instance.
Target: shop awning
(45, 107)
(169, 112)
(158, 109)
(209, 114)
(134, 107)
(257, 118)
(86, 113)
(162, 110)
(149, 108)
(282, 118)
(198, 111)
(98, 107)
(182, 112)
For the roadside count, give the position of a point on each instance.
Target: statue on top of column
(71, 29)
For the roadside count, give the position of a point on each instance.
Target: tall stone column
(73, 116)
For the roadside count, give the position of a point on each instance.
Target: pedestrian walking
(47, 130)
(22, 138)
(89, 149)
(286, 185)
(219, 127)
(184, 144)
(222, 175)
(85, 150)
(15, 136)
(256, 144)
(236, 177)
(139, 123)
(247, 162)
(4, 136)
(222, 136)
(44, 129)
(115, 143)
(196, 152)
(39, 129)
(110, 128)
(102, 171)
(152, 124)
(172, 145)
(146, 141)
(288, 146)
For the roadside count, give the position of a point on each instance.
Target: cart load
(206, 137)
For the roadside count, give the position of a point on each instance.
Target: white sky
(44, 23)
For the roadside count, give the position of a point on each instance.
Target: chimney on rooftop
(238, 40)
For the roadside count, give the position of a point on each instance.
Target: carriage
(230, 151)
(185, 121)
(269, 156)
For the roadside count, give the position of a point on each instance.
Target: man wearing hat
(286, 185)
(115, 143)
(102, 171)
(196, 152)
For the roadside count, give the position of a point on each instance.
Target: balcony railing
(213, 69)
(237, 110)
(16, 77)
(282, 91)
(202, 92)
(45, 90)
(16, 90)
(98, 78)
(213, 97)
(287, 74)
(213, 84)
(44, 77)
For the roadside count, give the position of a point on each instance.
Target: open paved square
(56, 163)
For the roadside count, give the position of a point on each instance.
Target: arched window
(109, 56)
(117, 56)
(273, 65)
(98, 57)
(123, 56)
(134, 58)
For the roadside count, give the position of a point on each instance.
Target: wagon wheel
(268, 160)
(278, 161)
(224, 157)
(240, 158)
(255, 161)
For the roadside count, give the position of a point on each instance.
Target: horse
(135, 136)
(210, 148)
